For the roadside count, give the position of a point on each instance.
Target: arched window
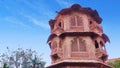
(76, 21)
(60, 44)
(54, 46)
(60, 25)
(96, 44)
(90, 21)
(79, 21)
(78, 45)
(72, 21)
(82, 45)
(102, 45)
(74, 46)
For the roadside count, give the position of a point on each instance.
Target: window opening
(79, 21)
(90, 22)
(60, 44)
(74, 46)
(78, 45)
(96, 44)
(103, 47)
(60, 25)
(55, 57)
(72, 21)
(54, 45)
(101, 43)
(82, 45)
(76, 21)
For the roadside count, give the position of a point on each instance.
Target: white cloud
(36, 21)
(38, 18)
(15, 21)
(28, 3)
(63, 3)
(41, 8)
(41, 24)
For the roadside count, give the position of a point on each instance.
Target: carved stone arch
(72, 21)
(51, 37)
(96, 44)
(105, 38)
(76, 20)
(79, 20)
(82, 45)
(60, 24)
(74, 45)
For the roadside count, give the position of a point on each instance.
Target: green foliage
(115, 64)
(5, 66)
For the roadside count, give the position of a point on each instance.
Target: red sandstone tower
(77, 40)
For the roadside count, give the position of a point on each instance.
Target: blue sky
(24, 23)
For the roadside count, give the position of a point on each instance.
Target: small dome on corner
(75, 6)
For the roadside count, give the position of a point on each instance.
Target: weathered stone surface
(77, 40)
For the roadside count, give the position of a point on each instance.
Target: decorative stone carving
(77, 39)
